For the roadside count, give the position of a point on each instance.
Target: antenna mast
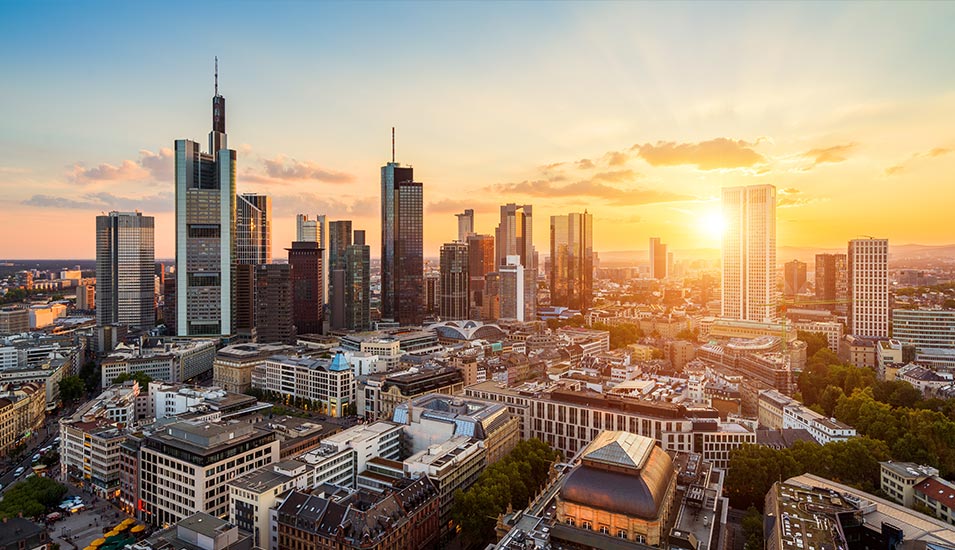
(217, 75)
(392, 144)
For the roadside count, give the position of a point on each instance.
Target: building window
(604, 530)
(621, 533)
(587, 525)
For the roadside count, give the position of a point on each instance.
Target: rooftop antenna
(392, 144)
(217, 75)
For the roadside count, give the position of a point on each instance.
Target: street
(41, 438)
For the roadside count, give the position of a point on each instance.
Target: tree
(753, 529)
(686, 334)
(31, 497)
(141, 378)
(752, 471)
(71, 388)
(815, 341)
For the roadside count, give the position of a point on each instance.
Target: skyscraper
(465, 225)
(453, 290)
(658, 259)
(357, 284)
(273, 303)
(832, 282)
(308, 311)
(253, 229)
(511, 291)
(125, 290)
(480, 263)
(205, 231)
(868, 261)
(749, 253)
(307, 230)
(794, 278)
(432, 286)
(339, 239)
(515, 237)
(572, 261)
(402, 245)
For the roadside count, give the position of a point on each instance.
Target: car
(36, 457)
(56, 440)
(18, 471)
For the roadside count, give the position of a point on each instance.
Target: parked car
(18, 471)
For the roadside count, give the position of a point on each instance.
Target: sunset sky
(638, 112)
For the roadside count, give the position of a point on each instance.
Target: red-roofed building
(937, 495)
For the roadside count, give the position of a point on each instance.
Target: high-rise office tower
(273, 303)
(868, 265)
(125, 288)
(658, 259)
(511, 291)
(480, 263)
(465, 225)
(794, 278)
(307, 306)
(308, 230)
(491, 301)
(515, 237)
(453, 291)
(832, 281)
(205, 231)
(339, 239)
(572, 261)
(243, 303)
(253, 229)
(402, 244)
(432, 286)
(749, 253)
(357, 284)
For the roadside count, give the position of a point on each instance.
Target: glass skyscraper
(125, 265)
(402, 245)
(572, 261)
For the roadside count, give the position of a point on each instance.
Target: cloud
(789, 191)
(585, 164)
(589, 188)
(616, 158)
(705, 155)
(793, 202)
(614, 176)
(150, 166)
(334, 207)
(160, 202)
(836, 153)
(283, 170)
(904, 165)
(450, 206)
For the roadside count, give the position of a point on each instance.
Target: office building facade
(572, 261)
(794, 278)
(515, 237)
(253, 229)
(658, 259)
(315, 230)
(308, 308)
(480, 263)
(465, 224)
(749, 253)
(453, 289)
(274, 314)
(402, 242)
(205, 231)
(124, 270)
(357, 284)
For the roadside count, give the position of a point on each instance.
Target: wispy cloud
(590, 188)
(904, 165)
(283, 170)
(449, 206)
(836, 153)
(334, 207)
(718, 153)
(159, 202)
(157, 167)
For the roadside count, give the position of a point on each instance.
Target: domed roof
(630, 479)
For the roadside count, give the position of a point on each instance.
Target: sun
(710, 225)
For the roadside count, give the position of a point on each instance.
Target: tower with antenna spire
(205, 231)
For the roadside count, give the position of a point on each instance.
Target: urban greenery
(31, 497)
(815, 341)
(511, 481)
(753, 530)
(621, 335)
(71, 388)
(141, 378)
(754, 468)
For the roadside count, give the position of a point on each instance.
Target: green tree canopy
(71, 388)
(31, 497)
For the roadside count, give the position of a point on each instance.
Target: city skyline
(809, 112)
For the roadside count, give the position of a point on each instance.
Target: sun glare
(711, 225)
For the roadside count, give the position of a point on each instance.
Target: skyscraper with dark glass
(253, 234)
(357, 284)
(339, 239)
(125, 289)
(205, 231)
(453, 289)
(402, 245)
(307, 296)
(572, 261)
(480, 263)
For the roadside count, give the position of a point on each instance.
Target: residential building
(868, 269)
(938, 496)
(24, 534)
(515, 237)
(173, 400)
(453, 288)
(14, 320)
(124, 269)
(623, 486)
(434, 418)
(186, 467)
(749, 253)
(274, 311)
(326, 384)
(402, 252)
(779, 411)
(308, 271)
(794, 278)
(85, 299)
(571, 261)
(232, 366)
(253, 495)
(465, 225)
(22, 411)
(403, 517)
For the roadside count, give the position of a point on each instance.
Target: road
(41, 438)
